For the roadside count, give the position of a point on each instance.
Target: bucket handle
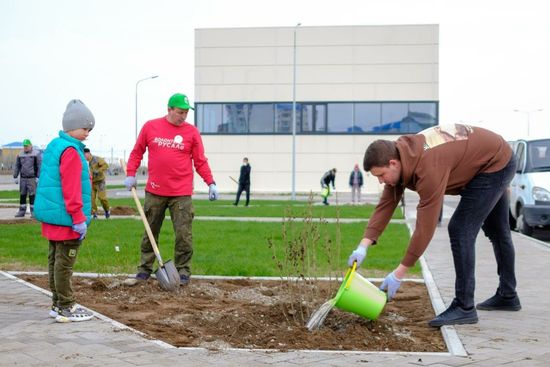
(352, 271)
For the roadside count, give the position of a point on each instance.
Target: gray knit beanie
(77, 116)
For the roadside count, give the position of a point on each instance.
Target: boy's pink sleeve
(70, 167)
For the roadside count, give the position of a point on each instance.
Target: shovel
(167, 274)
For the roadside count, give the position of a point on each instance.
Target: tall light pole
(137, 83)
(293, 195)
(528, 113)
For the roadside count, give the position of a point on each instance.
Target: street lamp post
(137, 83)
(293, 195)
(528, 113)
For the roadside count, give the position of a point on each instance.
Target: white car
(530, 187)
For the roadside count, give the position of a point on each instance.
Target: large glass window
(392, 116)
(421, 116)
(235, 118)
(260, 118)
(211, 118)
(367, 117)
(283, 117)
(317, 117)
(314, 117)
(340, 117)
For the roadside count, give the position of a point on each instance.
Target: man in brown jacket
(472, 162)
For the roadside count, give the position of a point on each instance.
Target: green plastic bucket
(358, 295)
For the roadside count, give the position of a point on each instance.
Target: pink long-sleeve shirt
(173, 153)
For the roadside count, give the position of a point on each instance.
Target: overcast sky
(494, 57)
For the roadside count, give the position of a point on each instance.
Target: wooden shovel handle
(144, 219)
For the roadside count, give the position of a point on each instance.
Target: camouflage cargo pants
(98, 191)
(181, 213)
(61, 259)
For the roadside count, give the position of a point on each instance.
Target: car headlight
(540, 194)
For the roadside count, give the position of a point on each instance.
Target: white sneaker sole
(64, 319)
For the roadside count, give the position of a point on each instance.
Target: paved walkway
(31, 338)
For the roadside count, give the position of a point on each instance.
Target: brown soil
(258, 314)
(123, 210)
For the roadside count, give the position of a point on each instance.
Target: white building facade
(353, 85)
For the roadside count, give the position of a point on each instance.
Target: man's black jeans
(483, 204)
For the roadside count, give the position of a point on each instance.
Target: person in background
(27, 165)
(455, 159)
(356, 182)
(174, 148)
(326, 180)
(98, 166)
(244, 182)
(64, 206)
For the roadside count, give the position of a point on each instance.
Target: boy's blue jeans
(483, 204)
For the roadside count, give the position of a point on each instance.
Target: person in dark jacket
(356, 182)
(27, 165)
(327, 178)
(244, 182)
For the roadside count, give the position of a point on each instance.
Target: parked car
(530, 187)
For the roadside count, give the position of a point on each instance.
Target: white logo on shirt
(176, 143)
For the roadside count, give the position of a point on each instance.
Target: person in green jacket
(98, 166)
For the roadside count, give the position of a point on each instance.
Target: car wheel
(523, 227)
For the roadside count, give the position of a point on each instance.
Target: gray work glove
(358, 255)
(129, 182)
(391, 284)
(213, 192)
(16, 180)
(81, 228)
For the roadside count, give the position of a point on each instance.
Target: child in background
(63, 205)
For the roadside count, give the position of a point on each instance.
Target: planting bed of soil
(246, 313)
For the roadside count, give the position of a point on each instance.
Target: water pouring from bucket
(356, 294)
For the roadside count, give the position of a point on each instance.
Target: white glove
(358, 255)
(81, 228)
(213, 192)
(16, 180)
(129, 182)
(390, 284)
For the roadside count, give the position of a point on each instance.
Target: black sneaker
(107, 214)
(455, 315)
(500, 303)
(139, 278)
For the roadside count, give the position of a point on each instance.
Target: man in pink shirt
(174, 149)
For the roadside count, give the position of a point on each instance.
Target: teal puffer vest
(49, 206)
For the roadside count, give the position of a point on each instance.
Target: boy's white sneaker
(74, 314)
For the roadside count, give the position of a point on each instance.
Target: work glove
(81, 228)
(129, 182)
(390, 284)
(213, 192)
(36, 179)
(16, 180)
(358, 255)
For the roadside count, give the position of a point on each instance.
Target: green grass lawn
(220, 247)
(257, 208)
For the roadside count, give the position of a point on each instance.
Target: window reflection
(331, 117)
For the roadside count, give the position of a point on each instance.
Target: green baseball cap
(180, 101)
(26, 142)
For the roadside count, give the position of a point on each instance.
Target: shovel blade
(168, 276)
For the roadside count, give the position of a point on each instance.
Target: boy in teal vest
(63, 205)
